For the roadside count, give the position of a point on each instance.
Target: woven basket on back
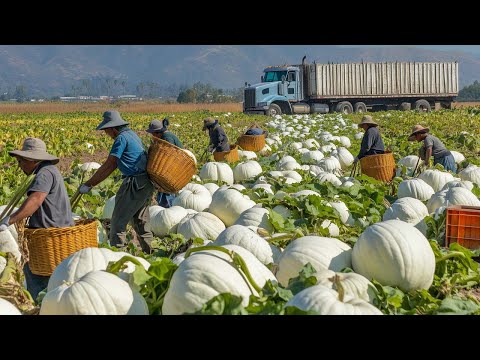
(49, 247)
(251, 142)
(380, 166)
(169, 167)
(228, 156)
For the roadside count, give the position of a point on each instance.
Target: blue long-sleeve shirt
(372, 140)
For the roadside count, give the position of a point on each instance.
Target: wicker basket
(169, 167)
(380, 166)
(251, 142)
(228, 156)
(49, 247)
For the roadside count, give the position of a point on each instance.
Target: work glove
(4, 223)
(355, 160)
(84, 189)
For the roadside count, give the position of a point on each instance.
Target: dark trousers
(35, 283)
(131, 204)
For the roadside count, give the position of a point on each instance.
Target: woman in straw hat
(218, 137)
(47, 204)
(372, 143)
(432, 146)
(158, 129)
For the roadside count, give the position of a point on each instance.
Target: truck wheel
(273, 110)
(344, 107)
(405, 106)
(360, 107)
(422, 106)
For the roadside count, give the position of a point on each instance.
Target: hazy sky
(475, 49)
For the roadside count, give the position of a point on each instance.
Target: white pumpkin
(333, 229)
(453, 196)
(311, 144)
(409, 161)
(471, 173)
(11, 228)
(312, 157)
(266, 187)
(89, 166)
(329, 177)
(344, 156)
(343, 212)
(265, 150)
(410, 210)
(296, 145)
(283, 211)
(255, 216)
(166, 221)
(7, 308)
(96, 293)
(353, 284)
(457, 156)
(248, 155)
(243, 236)
(8, 244)
(289, 165)
(217, 171)
(415, 188)
(108, 208)
(246, 170)
(203, 225)
(211, 187)
(321, 252)
(436, 178)
(325, 301)
(345, 141)
(330, 164)
(394, 253)
(89, 259)
(458, 183)
(193, 196)
(228, 204)
(305, 193)
(316, 170)
(207, 273)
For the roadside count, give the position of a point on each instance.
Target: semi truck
(352, 87)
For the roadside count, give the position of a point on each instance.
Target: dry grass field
(143, 107)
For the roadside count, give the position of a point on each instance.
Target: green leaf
(457, 306)
(304, 280)
(223, 304)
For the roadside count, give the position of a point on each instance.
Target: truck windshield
(274, 76)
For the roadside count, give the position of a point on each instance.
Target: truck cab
(280, 87)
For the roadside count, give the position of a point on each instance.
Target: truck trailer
(352, 87)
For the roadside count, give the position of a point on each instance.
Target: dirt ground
(65, 163)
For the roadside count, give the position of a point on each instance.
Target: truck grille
(249, 98)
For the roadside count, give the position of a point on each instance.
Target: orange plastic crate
(463, 226)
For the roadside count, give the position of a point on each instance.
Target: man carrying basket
(159, 131)
(134, 195)
(47, 204)
(372, 143)
(218, 137)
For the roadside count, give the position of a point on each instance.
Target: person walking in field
(158, 130)
(218, 137)
(47, 204)
(432, 146)
(372, 143)
(134, 195)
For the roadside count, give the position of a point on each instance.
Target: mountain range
(51, 70)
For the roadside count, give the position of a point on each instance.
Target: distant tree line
(206, 93)
(470, 92)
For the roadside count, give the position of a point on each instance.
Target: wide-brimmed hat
(111, 118)
(208, 121)
(416, 130)
(367, 119)
(34, 149)
(158, 126)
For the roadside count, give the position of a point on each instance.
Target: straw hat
(367, 119)
(34, 149)
(208, 121)
(417, 129)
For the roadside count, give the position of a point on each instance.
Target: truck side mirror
(283, 78)
(261, 79)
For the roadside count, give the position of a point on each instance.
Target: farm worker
(372, 143)
(158, 129)
(256, 130)
(432, 146)
(218, 138)
(47, 204)
(134, 195)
